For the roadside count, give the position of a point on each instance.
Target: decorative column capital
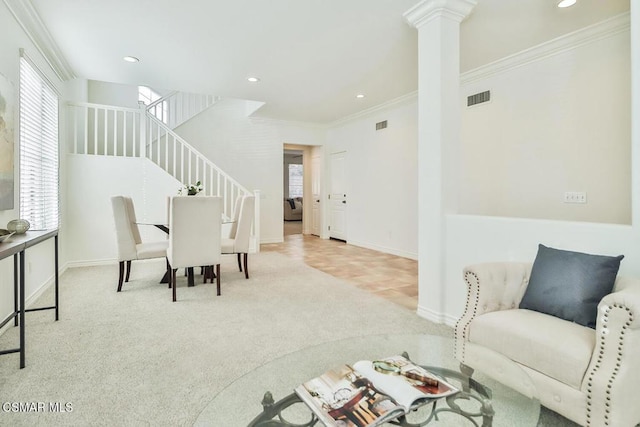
(426, 10)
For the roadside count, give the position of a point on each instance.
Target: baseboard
(437, 317)
(91, 263)
(31, 299)
(272, 240)
(384, 249)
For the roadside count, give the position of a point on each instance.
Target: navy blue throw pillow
(569, 285)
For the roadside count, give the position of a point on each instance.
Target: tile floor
(392, 277)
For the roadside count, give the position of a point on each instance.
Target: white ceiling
(313, 56)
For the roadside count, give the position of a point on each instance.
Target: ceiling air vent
(381, 125)
(478, 98)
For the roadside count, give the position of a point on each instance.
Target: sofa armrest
(612, 379)
(490, 287)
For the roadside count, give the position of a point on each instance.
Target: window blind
(39, 187)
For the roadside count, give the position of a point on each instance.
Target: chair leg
(126, 279)
(121, 276)
(217, 278)
(246, 266)
(173, 282)
(239, 262)
(168, 274)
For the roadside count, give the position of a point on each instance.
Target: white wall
(120, 95)
(597, 67)
(558, 123)
(250, 150)
(382, 176)
(39, 259)
(91, 228)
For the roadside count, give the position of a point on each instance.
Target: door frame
(307, 193)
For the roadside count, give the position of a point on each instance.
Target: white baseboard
(272, 240)
(384, 249)
(91, 263)
(28, 303)
(437, 317)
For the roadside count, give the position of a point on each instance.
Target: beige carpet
(136, 358)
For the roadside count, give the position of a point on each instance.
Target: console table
(16, 246)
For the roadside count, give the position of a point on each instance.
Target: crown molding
(411, 96)
(601, 30)
(28, 18)
(427, 10)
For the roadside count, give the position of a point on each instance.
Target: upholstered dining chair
(130, 245)
(195, 225)
(236, 216)
(240, 243)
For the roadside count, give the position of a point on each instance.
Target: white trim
(436, 317)
(601, 30)
(28, 18)
(428, 10)
(272, 240)
(387, 250)
(31, 299)
(93, 263)
(409, 97)
(547, 222)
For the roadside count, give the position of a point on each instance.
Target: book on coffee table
(370, 393)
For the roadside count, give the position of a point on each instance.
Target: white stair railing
(173, 154)
(104, 130)
(125, 132)
(178, 107)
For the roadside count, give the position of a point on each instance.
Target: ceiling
(313, 56)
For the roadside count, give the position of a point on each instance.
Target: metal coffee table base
(471, 393)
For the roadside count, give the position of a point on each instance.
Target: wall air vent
(478, 98)
(381, 125)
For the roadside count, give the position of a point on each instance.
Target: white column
(635, 116)
(438, 25)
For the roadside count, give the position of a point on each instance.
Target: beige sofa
(293, 214)
(589, 376)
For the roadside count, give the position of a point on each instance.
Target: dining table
(189, 272)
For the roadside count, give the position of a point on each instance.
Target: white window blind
(38, 150)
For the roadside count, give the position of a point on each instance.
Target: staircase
(147, 132)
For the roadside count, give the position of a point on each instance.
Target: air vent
(478, 98)
(381, 125)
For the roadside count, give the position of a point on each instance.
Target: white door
(338, 197)
(315, 193)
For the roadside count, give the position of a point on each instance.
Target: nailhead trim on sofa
(612, 378)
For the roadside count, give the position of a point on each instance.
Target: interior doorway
(302, 190)
(293, 203)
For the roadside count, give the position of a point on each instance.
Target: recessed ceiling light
(253, 79)
(131, 59)
(360, 96)
(566, 3)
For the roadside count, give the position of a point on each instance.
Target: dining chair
(236, 215)
(130, 245)
(240, 243)
(195, 235)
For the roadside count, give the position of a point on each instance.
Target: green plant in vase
(192, 189)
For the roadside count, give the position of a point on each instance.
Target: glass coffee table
(265, 397)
